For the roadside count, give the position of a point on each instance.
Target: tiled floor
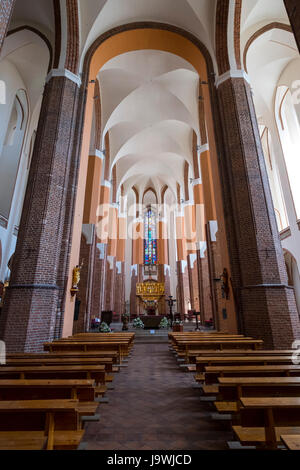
(155, 407)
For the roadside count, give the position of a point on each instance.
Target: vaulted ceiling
(149, 99)
(149, 103)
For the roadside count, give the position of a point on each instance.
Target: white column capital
(134, 269)
(232, 74)
(106, 183)
(167, 269)
(97, 153)
(64, 73)
(101, 247)
(193, 257)
(183, 266)
(213, 227)
(110, 260)
(202, 148)
(119, 267)
(88, 232)
(202, 247)
(197, 181)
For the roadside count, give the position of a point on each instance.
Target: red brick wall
(98, 283)
(119, 306)
(87, 257)
(34, 295)
(193, 284)
(110, 280)
(257, 260)
(183, 290)
(165, 278)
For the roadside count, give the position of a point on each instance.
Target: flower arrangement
(104, 328)
(178, 322)
(137, 323)
(164, 323)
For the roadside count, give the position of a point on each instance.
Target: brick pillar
(99, 280)
(214, 261)
(205, 297)
(110, 280)
(293, 11)
(164, 277)
(6, 10)
(136, 306)
(86, 258)
(183, 288)
(163, 267)
(266, 304)
(133, 298)
(119, 306)
(29, 313)
(193, 281)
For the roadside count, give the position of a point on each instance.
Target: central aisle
(155, 407)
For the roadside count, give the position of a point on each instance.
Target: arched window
(150, 243)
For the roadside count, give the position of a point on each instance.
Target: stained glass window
(150, 243)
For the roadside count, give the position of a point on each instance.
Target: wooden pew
(82, 390)
(64, 354)
(88, 372)
(220, 344)
(176, 341)
(121, 348)
(264, 420)
(202, 362)
(193, 354)
(58, 419)
(291, 441)
(23, 440)
(212, 373)
(48, 361)
(231, 390)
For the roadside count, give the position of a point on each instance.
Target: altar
(152, 322)
(149, 293)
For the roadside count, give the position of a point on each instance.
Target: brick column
(293, 11)
(183, 288)
(119, 306)
(214, 262)
(29, 313)
(163, 267)
(137, 264)
(99, 280)
(182, 268)
(193, 281)
(6, 10)
(87, 257)
(163, 275)
(267, 307)
(110, 278)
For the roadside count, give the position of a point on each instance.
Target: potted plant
(104, 328)
(137, 323)
(177, 326)
(164, 323)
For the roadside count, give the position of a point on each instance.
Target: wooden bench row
(46, 398)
